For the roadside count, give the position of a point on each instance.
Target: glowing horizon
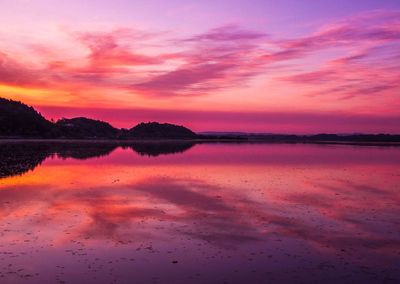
(257, 66)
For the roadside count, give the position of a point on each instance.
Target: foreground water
(207, 213)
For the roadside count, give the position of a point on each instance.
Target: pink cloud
(204, 67)
(190, 78)
(370, 72)
(15, 74)
(362, 62)
(230, 33)
(106, 51)
(370, 26)
(370, 66)
(221, 58)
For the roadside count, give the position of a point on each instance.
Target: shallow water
(206, 213)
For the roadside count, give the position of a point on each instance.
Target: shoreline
(200, 141)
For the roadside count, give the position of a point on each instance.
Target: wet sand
(209, 213)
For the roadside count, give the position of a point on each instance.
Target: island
(20, 121)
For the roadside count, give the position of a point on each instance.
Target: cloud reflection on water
(340, 209)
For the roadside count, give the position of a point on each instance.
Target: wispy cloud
(230, 33)
(220, 58)
(367, 66)
(362, 60)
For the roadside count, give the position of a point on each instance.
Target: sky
(274, 66)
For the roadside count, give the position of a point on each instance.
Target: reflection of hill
(18, 158)
(154, 149)
(83, 151)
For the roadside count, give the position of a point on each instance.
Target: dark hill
(82, 127)
(155, 130)
(18, 119)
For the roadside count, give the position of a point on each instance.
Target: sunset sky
(281, 66)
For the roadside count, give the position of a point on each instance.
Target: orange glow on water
(318, 201)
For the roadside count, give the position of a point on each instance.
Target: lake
(198, 213)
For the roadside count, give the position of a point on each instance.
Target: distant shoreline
(21, 122)
(199, 141)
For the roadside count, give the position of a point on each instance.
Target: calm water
(206, 213)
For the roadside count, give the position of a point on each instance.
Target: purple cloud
(231, 33)
(229, 57)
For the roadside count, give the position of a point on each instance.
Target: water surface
(206, 213)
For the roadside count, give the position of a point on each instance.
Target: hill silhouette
(18, 119)
(155, 130)
(81, 127)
